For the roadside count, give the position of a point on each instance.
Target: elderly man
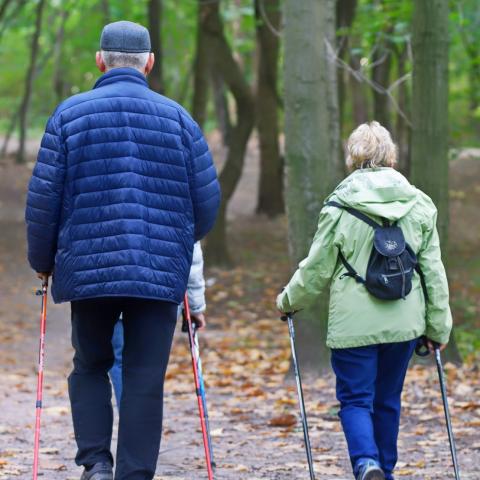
(123, 186)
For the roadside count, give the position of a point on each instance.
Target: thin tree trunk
(382, 58)
(155, 27)
(312, 147)
(270, 189)
(403, 130)
(474, 90)
(29, 82)
(220, 102)
(222, 61)
(8, 136)
(345, 15)
(58, 82)
(105, 8)
(12, 13)
(3, 8)
(429, 170)
(360, 106)
(201, 70)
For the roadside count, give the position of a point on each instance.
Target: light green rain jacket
(356, 318)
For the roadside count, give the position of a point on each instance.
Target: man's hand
(199, 320)
(431, 346)
(44, 276)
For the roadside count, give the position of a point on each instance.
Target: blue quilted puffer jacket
(123, 186)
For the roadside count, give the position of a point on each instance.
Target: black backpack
(392, 262)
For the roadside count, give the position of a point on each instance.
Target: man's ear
(100, 63)
(150, 63)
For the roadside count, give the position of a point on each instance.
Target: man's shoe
(100, 471)
(369, 470)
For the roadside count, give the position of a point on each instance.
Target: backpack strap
(351, 272)
(422, 281)
(352, 211)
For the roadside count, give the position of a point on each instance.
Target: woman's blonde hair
(370, 145)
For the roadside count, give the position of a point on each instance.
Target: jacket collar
(121, 75)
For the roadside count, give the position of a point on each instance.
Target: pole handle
(422, 349)
(287, 315)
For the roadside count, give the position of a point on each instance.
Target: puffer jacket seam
(136, 173)
(61, 110)
(144, 129)
(129, 188)
(171, 210)
(90, 222)
(165, 164)
(124, 250)
(157, 285)
(105, 112)
(109, 142)
(79, 271)
(116, 235)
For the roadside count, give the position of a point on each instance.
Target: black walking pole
(422, 350)
(289, 319)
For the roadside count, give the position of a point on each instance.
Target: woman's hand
(199, 320)
(432, 345)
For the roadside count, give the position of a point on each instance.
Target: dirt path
(245, 355)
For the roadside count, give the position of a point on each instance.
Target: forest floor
(253, 408)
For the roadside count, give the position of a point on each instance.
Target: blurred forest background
(277, 85)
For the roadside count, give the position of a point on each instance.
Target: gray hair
(124, 59)
(371, 146)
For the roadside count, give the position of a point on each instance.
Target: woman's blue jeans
(369, 388)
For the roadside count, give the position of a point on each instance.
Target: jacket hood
(382, 192)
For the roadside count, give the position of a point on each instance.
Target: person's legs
(149, 326)
(356, 370)
(116, 370)
(88, 384)
(392, 366)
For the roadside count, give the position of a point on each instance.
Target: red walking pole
(201, 410)
(41, 356)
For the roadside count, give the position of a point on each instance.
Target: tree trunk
(12, 13)
(430, 106)
(403, 130)
(360, 106)
(474, 88)
(29, 82)
(105, 8)
(155, 78)
(58, 78)
(270, 189)
(221, 60)
(312, 147)
(3, 8)
(201, 70)
(382, 59)
(429, 169)
(220, 102)
(345, 15)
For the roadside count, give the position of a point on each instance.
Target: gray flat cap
(125, 37)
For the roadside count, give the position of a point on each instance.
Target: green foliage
(82, 32)
(388, 21)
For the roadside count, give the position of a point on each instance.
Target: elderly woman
(372, 338)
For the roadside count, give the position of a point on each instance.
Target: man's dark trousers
(149, 326)
(369, 388)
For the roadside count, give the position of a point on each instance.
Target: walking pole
(422, 350)
(289, 318)
(204, 395)
(41, 357)
(187, 324)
